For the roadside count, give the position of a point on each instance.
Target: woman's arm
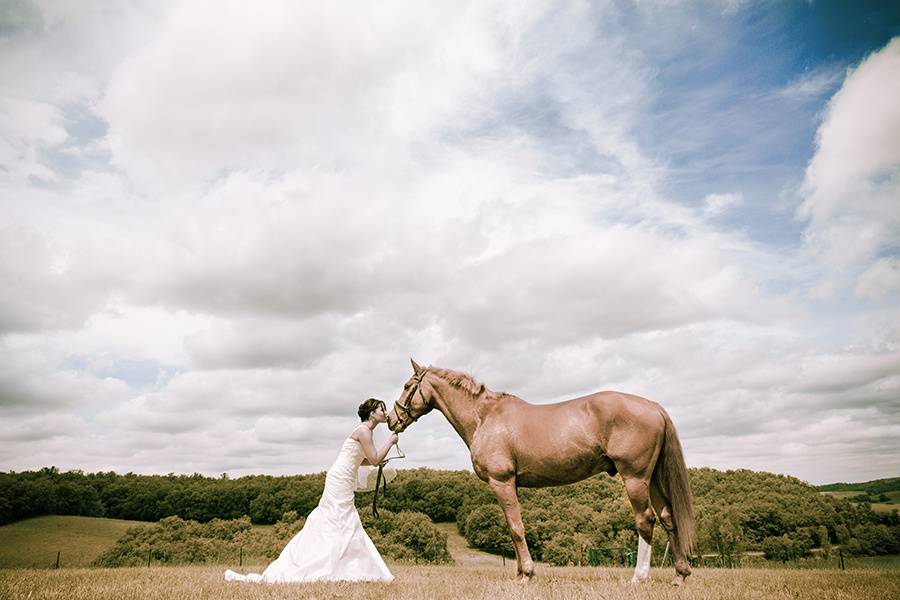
(373, 457)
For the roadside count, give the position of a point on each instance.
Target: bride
(333, 546)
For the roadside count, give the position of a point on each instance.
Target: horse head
(414, 401)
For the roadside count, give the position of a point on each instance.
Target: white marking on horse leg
(642, 567)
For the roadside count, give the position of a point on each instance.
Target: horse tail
(672, 476)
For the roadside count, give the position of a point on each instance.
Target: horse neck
(462, 410)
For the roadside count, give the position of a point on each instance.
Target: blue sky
(726, 118)
(223, 228)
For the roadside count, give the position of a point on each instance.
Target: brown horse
(516, 444)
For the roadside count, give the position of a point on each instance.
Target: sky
(223, 225)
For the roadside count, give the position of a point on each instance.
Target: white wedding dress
(332, 546)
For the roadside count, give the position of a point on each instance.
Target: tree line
(404, 537)
(736, 511)
(878, 486)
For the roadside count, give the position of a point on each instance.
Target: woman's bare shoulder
(361, 433)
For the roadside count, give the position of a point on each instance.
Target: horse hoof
(678, 581)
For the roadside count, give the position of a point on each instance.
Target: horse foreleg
(509, 502)
(639, 494)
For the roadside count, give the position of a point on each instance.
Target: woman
(333, 546)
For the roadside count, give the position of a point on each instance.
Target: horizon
(400, 468)
(222, 227)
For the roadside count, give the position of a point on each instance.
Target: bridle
(405, 406)
(407, 420)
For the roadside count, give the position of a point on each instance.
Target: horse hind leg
(661, 505)
(638, 491)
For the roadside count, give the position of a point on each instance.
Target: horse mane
(461, 381)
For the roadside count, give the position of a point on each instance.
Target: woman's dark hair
(368, 407)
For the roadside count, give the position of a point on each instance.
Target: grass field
(842, 495)
(465, 556)
(893, 502)
(456, 582)
(79, 540)
(475, 575)
(33, 543)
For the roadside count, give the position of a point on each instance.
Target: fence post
(57, 559)
(841, 554)
(241, 563)
(149, 553)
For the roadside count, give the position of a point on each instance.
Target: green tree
(486, 528)
(824, 541)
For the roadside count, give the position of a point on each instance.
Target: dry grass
(475, 575)
(464, 555)
(455, 582)
(885, 507)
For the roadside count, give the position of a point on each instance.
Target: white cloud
(26, 129)
(880, 279)
(45, 286)
(852, 184)
(812, 85)
(29, 384)
(717, 204)
(296, 84)
(258, 343)
(44, 427)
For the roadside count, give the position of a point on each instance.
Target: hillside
(735, 511)
(876, 486)
(883, 495)
(79, 540)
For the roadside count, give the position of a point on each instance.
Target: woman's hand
(393, 439)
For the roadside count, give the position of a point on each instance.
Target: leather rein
(381, 480)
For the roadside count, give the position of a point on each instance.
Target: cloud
(879, 280)
(812, 84)
(251, 246)
(29, 385)
(218, 90)
(846, 371)
(609, 283)
(817, 449)
(716, 204)
(260, 343)
(46, 286)
(43, 427)
(852, 182)
(55, 61)
(26, 129)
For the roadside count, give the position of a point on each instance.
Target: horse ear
(415, 366)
